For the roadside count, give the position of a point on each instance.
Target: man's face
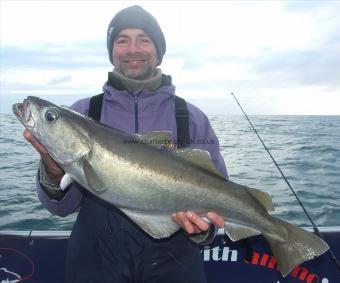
(134, 54)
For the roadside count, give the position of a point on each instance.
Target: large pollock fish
(148, 183)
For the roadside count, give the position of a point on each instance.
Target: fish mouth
(23, 113)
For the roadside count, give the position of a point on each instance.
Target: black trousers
(105, 246)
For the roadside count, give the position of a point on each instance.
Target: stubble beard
(143, 73)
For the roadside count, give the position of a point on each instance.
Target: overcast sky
(278, 57)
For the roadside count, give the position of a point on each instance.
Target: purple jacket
(142, 111)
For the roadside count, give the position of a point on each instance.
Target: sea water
(307, 148)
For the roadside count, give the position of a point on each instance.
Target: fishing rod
(315, 228)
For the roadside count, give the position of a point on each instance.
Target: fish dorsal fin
(158, 139)
(264, 198)
(200, 158)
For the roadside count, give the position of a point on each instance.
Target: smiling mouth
(139, 61)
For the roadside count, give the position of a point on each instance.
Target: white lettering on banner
(218, 254)
(225, 254)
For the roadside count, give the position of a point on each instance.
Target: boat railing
(64, 234)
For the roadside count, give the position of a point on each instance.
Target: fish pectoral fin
(92, 178)
(71, 156)
(157, 226)
(264, 198)
(200, 158)
(67, 159)
(237, 231)
(158, 139)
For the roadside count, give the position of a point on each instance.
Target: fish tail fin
(294, 247)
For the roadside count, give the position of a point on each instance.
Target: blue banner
(40, 259)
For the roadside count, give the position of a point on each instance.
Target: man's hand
(192, 223)
(52, 168)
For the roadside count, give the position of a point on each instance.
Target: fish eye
(51, 115)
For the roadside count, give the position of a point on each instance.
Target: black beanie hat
(136, 17)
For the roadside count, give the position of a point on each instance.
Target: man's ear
(158, 61)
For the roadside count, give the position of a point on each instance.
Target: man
(106, 246)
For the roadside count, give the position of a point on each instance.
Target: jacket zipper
(136, 112)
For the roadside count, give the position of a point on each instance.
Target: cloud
(314, 67)
(309, 6)
(55, 69)
(70, 56)
(61, 80)
(263, 49)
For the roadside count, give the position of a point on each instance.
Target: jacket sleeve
(202, 136)
(61, 203)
